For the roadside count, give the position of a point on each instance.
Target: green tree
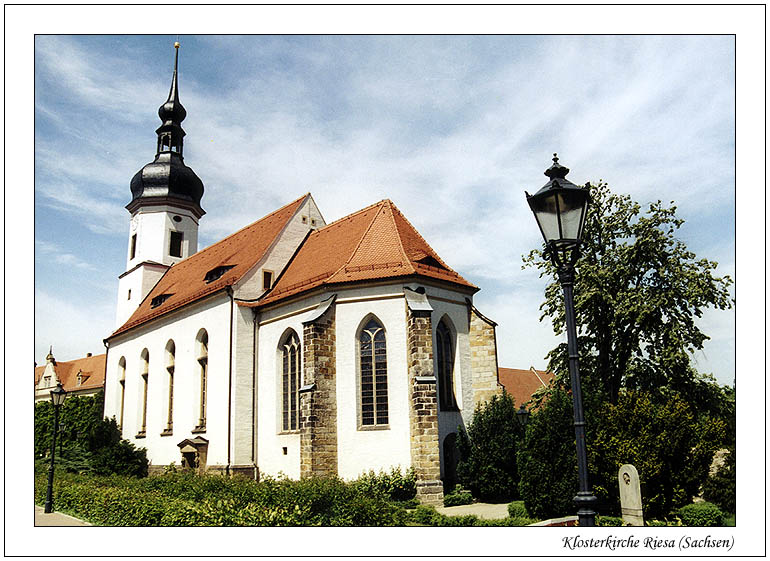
(668, 443)
(638, 293)
(487, 465)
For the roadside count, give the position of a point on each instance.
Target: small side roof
(185, 282)
(92, 368)
(376, 242)
(521, 384)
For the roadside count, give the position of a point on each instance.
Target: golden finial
(176, 44)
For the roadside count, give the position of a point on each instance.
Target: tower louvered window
(374, 374)
(291, 375)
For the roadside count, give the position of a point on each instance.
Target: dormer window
(80, 377)
(217, 272)
(159, 299)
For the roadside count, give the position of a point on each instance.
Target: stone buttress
(423, 407)
(318, 399)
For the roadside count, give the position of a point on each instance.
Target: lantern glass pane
(571, 205)
(547, 217)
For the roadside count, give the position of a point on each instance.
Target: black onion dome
(167, 179)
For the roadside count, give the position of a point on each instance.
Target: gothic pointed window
(145, 362)
(373, 367)
(291, 375)
(445, 365)
(202, 344)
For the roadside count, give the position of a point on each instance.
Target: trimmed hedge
(185, 499)
(458, 497)
(516, 509)
(427, 516)
(701, 514)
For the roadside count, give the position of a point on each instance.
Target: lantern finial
(556, 171)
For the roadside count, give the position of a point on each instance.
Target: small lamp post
(560, 210)
(522, 416)
(57, 397)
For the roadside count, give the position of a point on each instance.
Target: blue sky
(453, 129)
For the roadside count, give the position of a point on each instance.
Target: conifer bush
(701, 514)
(488, 465)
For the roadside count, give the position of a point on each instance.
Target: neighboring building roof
(91, 368)
(376, 242)
(185, 281)
(521, 384)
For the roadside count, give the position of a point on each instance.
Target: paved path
(55, 519)
(482, 510)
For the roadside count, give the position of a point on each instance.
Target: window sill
(288, 432)
(373, 427)
(141, 434)
(198, 430)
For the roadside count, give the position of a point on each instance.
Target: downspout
(229, 290)
(106, 362)
(254, 393)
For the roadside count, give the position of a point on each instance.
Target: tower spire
(168, 177)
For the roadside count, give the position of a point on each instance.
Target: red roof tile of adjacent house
(376, 242)
(185, 280)
(521, 384)
(91, 368)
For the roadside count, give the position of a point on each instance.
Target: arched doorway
(451, 458)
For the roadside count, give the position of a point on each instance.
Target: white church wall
(153, 225)
(360, 450)
(212, 314)
(243, 387)
(277, 451)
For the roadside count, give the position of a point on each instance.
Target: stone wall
(318, 407)
(423, 413)
(483, 357)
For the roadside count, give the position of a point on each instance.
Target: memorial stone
(630, 496)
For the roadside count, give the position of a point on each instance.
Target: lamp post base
(585, 501)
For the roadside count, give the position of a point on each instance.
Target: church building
(292, 346)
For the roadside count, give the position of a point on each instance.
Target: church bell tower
(165, 209)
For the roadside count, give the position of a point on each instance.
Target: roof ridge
(352, 214)
(407, 261)
(276, 211)
(361, 239)
(416, 231)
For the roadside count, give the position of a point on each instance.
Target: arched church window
(202, 344)
(291, 374)
(373, 366)
(122, 382)
(145, 362)
(445, 364)
(170, 360)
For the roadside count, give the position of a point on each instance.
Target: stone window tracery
(170, 363)
(145, 362)
(202, 341)
(291, 374)
(445, 365)
(373, 372)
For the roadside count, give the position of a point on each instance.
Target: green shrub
(516, 509)
(720, 487)
(186, 499)
(487, 464)
(609, 521)
(458, 497)
(547, 459)
(427, 516)
(397, 486)
(701, 514)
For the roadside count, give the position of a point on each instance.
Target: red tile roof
(184, 281)
(521, 384)
(92, 368)
(376, 242)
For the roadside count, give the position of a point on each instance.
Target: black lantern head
(560, 210)
(58, 394)
(522, 416)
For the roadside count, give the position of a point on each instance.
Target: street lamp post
(57, 397)
(560, 210)
(522, 416)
